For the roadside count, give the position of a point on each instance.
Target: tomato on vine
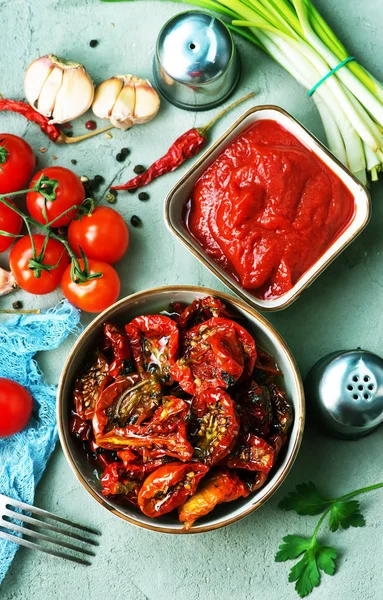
(102, 235)
(10, 222)
(93, 287)
(17, 162)
(38, 263)
(66, 191)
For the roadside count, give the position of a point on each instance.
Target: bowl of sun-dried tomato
(180, 409)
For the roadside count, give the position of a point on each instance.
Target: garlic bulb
(7, 282)
(126, 101)
(61, 90)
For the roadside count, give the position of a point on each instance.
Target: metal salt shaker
(196, 64)
(346, 391)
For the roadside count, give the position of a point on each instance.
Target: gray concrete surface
(343, 309)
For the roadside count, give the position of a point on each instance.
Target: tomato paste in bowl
(267, 208)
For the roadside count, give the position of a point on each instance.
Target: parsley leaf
(345, 515)
(326, 559)
(306, 500)
(306, 573)
(293, 546)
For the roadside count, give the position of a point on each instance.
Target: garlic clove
(48, 93)
(147, 102)
(123, 109)
(105, 97)
(35, 77)
(7, 282)
(74, 96)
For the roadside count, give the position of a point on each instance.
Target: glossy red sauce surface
(267, 208)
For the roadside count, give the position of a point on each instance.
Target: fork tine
(45, 538)
(26, 519)
(33, 546)
(44, 513)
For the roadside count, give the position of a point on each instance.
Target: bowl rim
(237, 303)
(210, 264)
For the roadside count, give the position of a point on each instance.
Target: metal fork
(8, 514)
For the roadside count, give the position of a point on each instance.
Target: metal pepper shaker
(345, 389)
(196, 64)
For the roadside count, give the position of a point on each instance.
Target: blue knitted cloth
(23, 456)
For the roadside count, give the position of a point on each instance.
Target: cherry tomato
(252, 453)
(115, 481)
(89, 386)
(201, 310)
(118, 342)
(102, 235)
(154, 343)
(94, 295)
(151, 444)
(220, 486)
(10, 222)
(282, 409)
(19, 260)
(168, 487)
(255, 408)
(217, 426)
(17, 162)
(125, 402)
(69, 192)
(16, 405)
(216, 354)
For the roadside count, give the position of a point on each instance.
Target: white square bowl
(180, 193)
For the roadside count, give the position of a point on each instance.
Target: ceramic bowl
(153, 301)
(175, 202)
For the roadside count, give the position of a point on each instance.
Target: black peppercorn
(17, 305)
(113, 192)
(143, 196)
(73, 161)
(125, 151)
(93, 43)
(99, 179)
(135, 221)
(133, 191)
(120, 157)
(139, 169)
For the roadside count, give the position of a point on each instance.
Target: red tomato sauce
(267, 208)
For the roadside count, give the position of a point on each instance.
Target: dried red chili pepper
(186, 146)
(122, 353)
(51, 130)
(22, 108)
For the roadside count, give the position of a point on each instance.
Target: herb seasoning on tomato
(267, 208)
(181, 411)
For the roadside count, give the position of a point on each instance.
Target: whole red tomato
(17, 162)
(10, 222)
(94, 295)
(69, 192)
(16, 405)
(19, 262)
(102, 235)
